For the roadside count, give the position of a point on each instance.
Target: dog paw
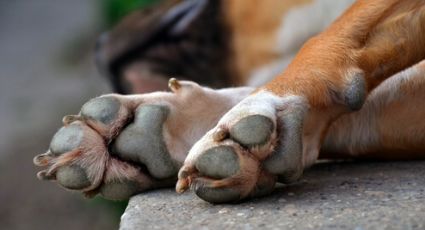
(224, 173)
(118, 145)
(114, 147)
(233, 160)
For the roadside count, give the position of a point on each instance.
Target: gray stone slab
(345, 195)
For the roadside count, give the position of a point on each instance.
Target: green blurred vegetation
(115, 10)
(118, 207)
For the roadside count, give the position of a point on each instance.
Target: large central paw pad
(114, 147)
(224, 165)
(143, 142)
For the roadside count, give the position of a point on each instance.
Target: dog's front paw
(122, 145)
(237, 158)
(88, 155)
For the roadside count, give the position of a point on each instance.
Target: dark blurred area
(183, 39)
(47, 71)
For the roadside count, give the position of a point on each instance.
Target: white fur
(303, 22)
(297, 26)
(262, 103)
(359, 132)
(265, 73)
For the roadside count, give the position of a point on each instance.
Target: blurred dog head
(185, 39)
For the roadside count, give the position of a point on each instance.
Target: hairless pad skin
(286, 161)
(264, 186)
(252, 131)
(355, 93)
(122, 189)
(143, 142)
(68, 138)
(217, 195)
(72, 177)
(218, 162)
(103, 109)
(119, 190)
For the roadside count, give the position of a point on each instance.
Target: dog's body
(227, 42)
(345, 95)
(266, 35)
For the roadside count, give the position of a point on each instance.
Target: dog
(352, 91)
(214, 43)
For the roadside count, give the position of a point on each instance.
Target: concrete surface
(345, 195)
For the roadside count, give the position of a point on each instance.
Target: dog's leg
(332, 75)
(389, 126)
(121, 145)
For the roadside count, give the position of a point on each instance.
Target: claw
(174, 84)
(183, 182)
(68, 119)
(42, 159)
(182, 185)
(220, 134)
(43, 175)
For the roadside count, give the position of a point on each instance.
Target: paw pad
(143, 142)
(102, 109)
(72, 177)
(217, 195)
(251, 131)
(119, 190)
(355, 93)
(104, 150)
(68, 138)
(218, 162)
(72, 149)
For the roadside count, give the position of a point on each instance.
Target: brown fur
(374, 38)
(369, 36)
(389, 126)
(227, 43)
(253, 27)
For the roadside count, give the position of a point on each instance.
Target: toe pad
(217, 195)
(253, 130)
(66, 139)
(102, 109)
(218, 162)
(72, 177)
(119, 190)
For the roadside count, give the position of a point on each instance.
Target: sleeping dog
(352, 91)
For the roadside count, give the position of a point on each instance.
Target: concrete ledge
(345, 195)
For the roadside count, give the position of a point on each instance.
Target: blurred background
(46, 72)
